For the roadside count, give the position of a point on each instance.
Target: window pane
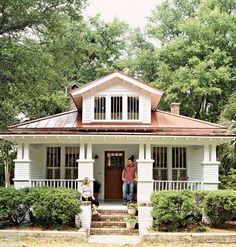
(49, 174)
(57, 174)
(68, 174)
(116, 108)
(53, 162)
(133, 108)
(179, 163)
(99, 108)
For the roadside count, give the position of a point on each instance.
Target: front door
(114, 163)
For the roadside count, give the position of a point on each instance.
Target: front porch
(158, 185)
(163, 164)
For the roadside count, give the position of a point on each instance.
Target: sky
(133, 12)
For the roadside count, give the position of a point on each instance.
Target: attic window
(116, 108)
(133, 108)
(99, 108)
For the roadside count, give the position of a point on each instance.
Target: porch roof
(162, 123)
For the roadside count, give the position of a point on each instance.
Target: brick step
(110, 217)
(112, 211)
(108, 224)
(112, 231)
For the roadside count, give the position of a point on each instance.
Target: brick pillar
(84, 218)
(144, 218)
(85, 163)
(22, 172)
(210, 168)
(145, 174)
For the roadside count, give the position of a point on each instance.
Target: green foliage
(196, 63)
(227, 151)
(7, 155)
(177, 209)
(131, 219)
(228, 182)
(132, 206)
(220, 206)
(13, 205)
(53, 206)
(16, 16)
(173, 210)
(202, 228)
(48, 206)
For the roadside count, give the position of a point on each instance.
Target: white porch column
(22, 172)
(210, 168)
(145, 174)
(85, 162)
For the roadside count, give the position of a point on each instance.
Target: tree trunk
(7, 173)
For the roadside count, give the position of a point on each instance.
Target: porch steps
(111, 223)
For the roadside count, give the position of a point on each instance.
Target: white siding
(87, 109)
(37, 155)
(145, 109)
(195, 158)
(99, 172)
(22, 170)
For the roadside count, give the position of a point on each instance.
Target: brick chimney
(174, 108)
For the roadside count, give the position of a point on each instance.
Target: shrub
(47, 206)
(228, 181)
(54, 206)
(13, 206)
(220, 206)
(174, 209)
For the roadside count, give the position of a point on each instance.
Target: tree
(196, 65)
(7, 155)
(227, 151)
(85, 50)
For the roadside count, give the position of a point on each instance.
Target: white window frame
(103, 114)
(124, 107)
(182, 162)
(136, 107)
(74, 168)
(52, 166)
(163, 164)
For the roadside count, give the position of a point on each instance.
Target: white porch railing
(160, 185)
(55, 183)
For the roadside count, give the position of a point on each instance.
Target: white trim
(62, 167)
(22, 161)
(107, 78)
(211, 163)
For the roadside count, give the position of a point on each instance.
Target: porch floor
(114, 205)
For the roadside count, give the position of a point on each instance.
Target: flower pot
(132, 211)
(130, 225)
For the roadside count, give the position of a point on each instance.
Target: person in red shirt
(129, 177)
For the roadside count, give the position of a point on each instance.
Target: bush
(220, 206)
(173, 210)
(47, 206)
(228, 182)
(54, 206)
(13, 206)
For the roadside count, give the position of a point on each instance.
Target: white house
(117, 116)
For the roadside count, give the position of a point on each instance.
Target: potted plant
(130, 222)
(96, 188)
(132, 209)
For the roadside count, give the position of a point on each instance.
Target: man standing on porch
(129, 177)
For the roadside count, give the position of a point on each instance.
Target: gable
(116, 76)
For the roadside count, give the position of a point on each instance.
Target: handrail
(55, 183)
(160, 185)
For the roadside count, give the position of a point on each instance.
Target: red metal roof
(162, 123)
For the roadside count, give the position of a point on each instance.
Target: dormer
(116, 98)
